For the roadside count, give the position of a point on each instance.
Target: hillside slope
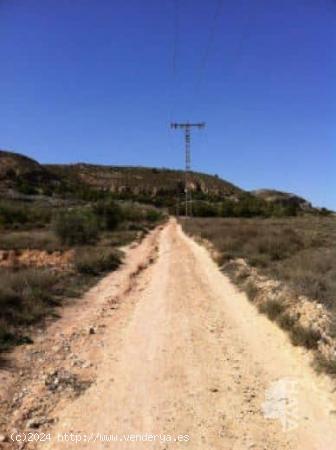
(23, 175)
(284, 198)
(142, 180)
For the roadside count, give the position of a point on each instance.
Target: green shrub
(76, 227)
(153, 215)
(204, 209)
(23, 215)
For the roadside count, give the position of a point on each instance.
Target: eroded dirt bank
(168, 346)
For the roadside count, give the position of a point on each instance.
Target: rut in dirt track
(189, 355)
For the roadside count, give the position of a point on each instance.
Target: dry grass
(299, 251)
(326, 365)
(30, 295)
(96, 261)
(26, 297)
(40, 239)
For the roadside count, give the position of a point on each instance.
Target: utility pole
(187, 136)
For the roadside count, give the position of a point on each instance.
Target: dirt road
(185, 354)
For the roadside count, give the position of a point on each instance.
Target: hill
(142, 180)
(25, 175)
(282, 198)
(20, 175)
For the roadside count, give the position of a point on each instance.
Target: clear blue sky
(93, 81)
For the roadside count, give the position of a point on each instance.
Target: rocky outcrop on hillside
(142, 180)
(282, 198)
(25, 175)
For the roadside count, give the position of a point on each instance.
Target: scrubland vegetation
(300, 251)
(246, 205)
(94, 231)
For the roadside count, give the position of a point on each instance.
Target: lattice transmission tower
(187, 137)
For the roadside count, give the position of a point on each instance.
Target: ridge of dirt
(300, 310)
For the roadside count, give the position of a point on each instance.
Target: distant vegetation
(246, 206)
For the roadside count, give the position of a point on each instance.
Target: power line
(245, 33)
(210, 43)
(176, 37)
(172, 89)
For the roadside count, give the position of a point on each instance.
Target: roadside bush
(286, 321)
(272, 308)
(251, 290)
(305, 337)
(94, 262)
(6, 337)
(323, 364)
(26, 295)
(76, 227)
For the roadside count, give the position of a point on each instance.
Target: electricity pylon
(187, 136)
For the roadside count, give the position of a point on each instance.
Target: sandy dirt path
(186, 354)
